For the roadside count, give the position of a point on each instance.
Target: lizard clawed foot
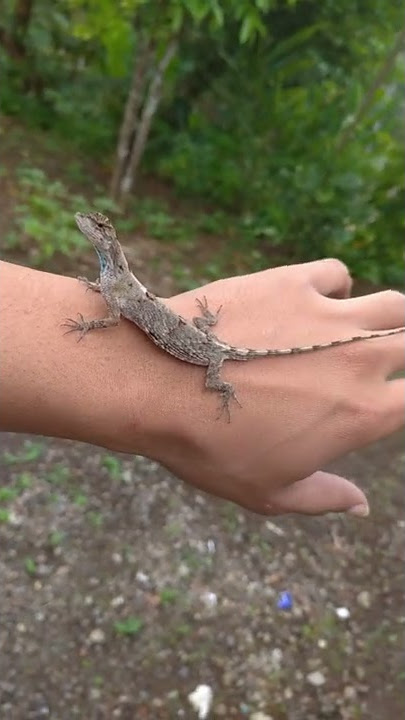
(208, 319)
(95, 286)
(226, 396)
(81, 326)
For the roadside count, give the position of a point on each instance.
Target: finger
(317, 494)
(329, 277)
(379, 311)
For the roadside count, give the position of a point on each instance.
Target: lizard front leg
(84, 326)
(213, 382)
(95, 286)
(208, 319)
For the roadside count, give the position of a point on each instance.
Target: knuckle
(394, 297)
(337, 264)
(364, 417)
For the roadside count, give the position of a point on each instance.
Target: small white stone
(201, 700)
(117, 601)
(209, 599)
(211, 547)
(343, 613)
(97, 636)
(276, 658)
(142, 577)
(116, 558)
(349, 693)
(14, 519)
(274, 528)
(183, 570)
(260, 716)
(322, 643)
(364, 599)
(21, 628)
(316, 678)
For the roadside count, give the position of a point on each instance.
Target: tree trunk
(129, 121)
(139, 129)
(14, 41)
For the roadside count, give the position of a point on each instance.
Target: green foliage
(256, 107)
(128, 627)
(45, 217)
(169, 596)
(265, 139)
(113, 466)
(30, 566)
(30, 452)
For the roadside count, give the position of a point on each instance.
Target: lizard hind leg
(225, 389)
(208, 319)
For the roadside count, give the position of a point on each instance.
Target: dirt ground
(122, 590)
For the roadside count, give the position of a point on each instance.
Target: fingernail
(361, 510)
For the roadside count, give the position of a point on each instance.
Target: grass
(113, 466)
(30, 566)
(58, 475)
(129, 626)
(169, 596)
(95, 519)
(30, 452)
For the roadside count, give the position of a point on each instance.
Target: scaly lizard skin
(191, 342)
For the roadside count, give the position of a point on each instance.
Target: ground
(122, 589)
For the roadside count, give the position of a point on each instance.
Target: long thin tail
(234, 353)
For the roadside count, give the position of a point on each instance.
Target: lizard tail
(234, 353)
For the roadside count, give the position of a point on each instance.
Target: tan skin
(116, 389)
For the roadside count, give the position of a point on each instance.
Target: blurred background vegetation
(278, 121)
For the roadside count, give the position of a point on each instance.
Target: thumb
(317, 494)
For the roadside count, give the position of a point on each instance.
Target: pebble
(364, 599)
(316, 678)
(117, 601)
(14, 519)
(142, 577)
(349, 693)
(96, 637)
(276, 658)
(211, 547)
(209, 599)
(260, 716)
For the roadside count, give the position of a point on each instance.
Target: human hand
(299, 412)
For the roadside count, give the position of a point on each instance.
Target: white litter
(201, 700)
(342, 612)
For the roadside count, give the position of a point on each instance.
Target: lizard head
(98, 229)
(101, 233)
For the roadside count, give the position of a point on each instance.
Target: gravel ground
(122, 590)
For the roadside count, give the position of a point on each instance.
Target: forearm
(94, 391)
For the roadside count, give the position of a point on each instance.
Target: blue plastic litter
(285, 601)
